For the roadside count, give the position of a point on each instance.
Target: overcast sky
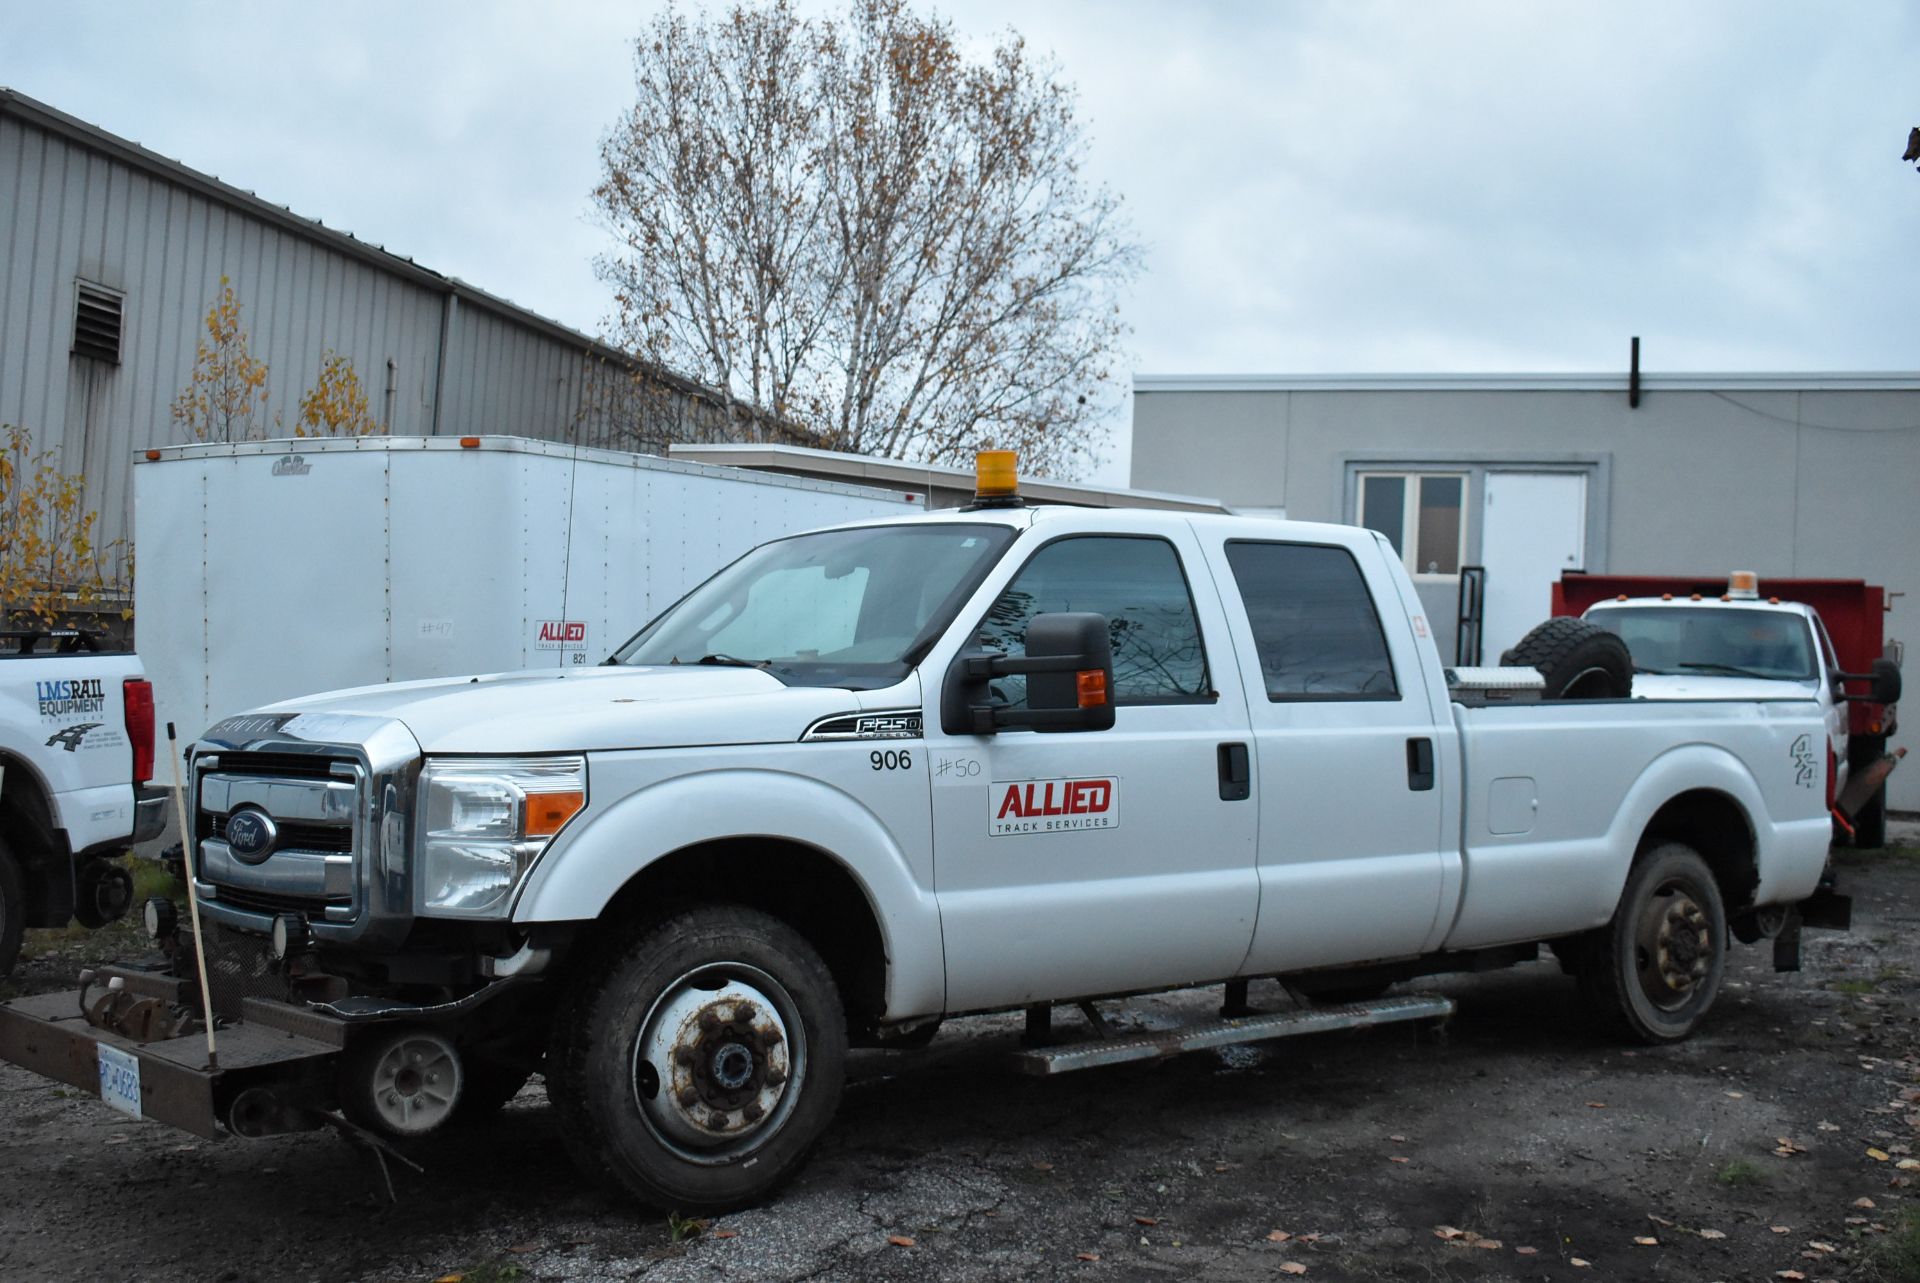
(1319, 187)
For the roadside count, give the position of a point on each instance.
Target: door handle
(1420, 764)
(1236, 776)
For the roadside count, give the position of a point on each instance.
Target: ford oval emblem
(251, 835)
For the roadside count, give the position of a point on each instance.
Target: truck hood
(585, 710)
(1708, 686)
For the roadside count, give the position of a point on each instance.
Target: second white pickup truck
(873, 777)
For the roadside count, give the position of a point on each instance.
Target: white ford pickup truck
(76, 752)
(869, 778)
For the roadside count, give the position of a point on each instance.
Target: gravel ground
(1537, 1148)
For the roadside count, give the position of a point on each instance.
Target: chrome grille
(314, 801)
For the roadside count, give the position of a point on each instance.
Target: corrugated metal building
(110, 256)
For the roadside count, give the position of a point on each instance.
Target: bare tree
(847, 223)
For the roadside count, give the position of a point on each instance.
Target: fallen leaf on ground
(1527, 1251)
(1145, 1220)
(1309, 1238)
(1043, 1167)
(1792, 1276)
(451, 1278)
(1398, 1140)
(1578, 1263)
(1867, 1203)
(1781, 1229)
(1644, 1241)
(1086, 1256)
(1826, 1127)
(1737, 1095)
(1446, 1232)
(716, 1234)
(899, 1240)
(1491, 1244)
(1397, 1159)
(1278, 1236)
(521, 1249)
(1818, 1246)
(1908, 1164)
(1713, 1234)
(1292, 1267)
(1856, 1220)
(1596, 1104)
(1660, 1220)
(1878, 1155)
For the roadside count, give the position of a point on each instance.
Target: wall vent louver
(97, 318)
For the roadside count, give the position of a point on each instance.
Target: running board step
(1044, 1061)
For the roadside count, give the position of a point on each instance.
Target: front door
(1092, 862)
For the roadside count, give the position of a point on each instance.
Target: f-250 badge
(1052, 806)
(1803, 761)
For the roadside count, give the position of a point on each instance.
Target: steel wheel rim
(718, 1063)
(416, 1085)
(1673, 946)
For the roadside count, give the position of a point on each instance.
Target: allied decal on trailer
(561, 634)
(1018, 807)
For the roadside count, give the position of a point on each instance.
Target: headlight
(486, 821)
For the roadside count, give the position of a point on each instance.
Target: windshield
(853, 608)
(1725, 641)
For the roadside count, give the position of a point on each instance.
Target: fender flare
(588, 865)
(1787, 856)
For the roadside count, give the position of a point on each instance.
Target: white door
(1533, 527)
(1100, 861)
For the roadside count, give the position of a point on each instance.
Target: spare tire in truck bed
(1578, 660)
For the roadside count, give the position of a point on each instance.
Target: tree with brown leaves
(848, 223)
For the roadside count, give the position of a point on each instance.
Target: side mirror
(1069, 672)
(1886, 679)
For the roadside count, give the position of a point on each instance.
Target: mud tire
(1670, 917)
(1577, 659)
(597, 1064)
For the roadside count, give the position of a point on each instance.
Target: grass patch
(681, 1228)
(1855, 986)
(1895, 1257)
(1740, 1173)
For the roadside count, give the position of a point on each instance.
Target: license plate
(120, 1079)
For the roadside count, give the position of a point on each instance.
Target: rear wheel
(1655, 969)
(13, 909)
(1577, 659)
(701, 1063)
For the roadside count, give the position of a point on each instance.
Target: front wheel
(703, 1061)
(1657, 965)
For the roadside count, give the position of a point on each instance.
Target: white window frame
(1410, 514)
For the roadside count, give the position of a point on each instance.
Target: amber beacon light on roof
(996, 479)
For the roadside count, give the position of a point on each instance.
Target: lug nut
(753, 1113)
(688, 1097)
(776, 1076)
(717, 1121)
(771, 1037)
(709, 1020)
(685, 1056)
(746, 1013)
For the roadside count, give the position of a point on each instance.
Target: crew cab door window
(1314, 625)
(1138, 585)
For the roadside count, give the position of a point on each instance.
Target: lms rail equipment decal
(1016, 807)
(70, 697)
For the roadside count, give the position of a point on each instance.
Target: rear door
(1094, 862)
(1352, 774)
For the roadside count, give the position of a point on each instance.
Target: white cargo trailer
(270, 569)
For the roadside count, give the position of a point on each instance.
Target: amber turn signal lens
(547, 812)
(469, 443)
(1093, 687)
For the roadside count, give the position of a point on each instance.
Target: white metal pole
(184, 818)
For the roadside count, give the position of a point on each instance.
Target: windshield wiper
(1734, 670)
(1651, 672)
(734, 661)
